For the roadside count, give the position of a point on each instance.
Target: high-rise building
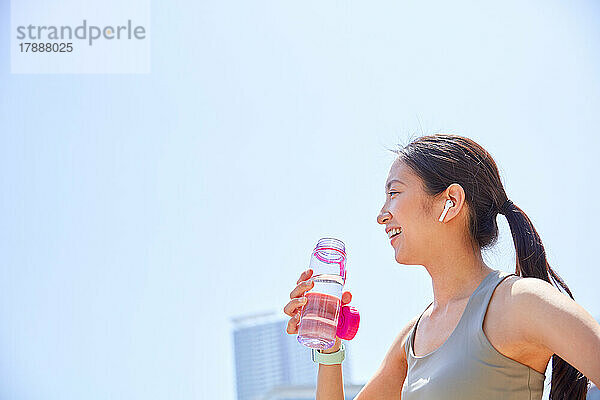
(267, 356)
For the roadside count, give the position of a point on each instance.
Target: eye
(391, 193)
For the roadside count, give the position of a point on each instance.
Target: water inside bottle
(319, 316)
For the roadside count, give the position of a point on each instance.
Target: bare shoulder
(538, 305)
(520, 285)
(513, 298)
(546, 317)
(514, 289)
(518, 293)
(533, 308)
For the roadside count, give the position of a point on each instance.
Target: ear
(456, 193)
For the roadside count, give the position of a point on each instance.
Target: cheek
(400, 208)
(409, 213)
(419, 228)
(415, 231)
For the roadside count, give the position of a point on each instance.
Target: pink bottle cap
(348, 322)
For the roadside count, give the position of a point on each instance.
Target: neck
(455, 278)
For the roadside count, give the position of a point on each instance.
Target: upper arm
(387, 381)
(552, 319)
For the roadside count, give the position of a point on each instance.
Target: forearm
(330, 383)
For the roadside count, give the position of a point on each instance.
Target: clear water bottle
(320, 320)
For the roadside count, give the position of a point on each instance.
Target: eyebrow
(387, 185)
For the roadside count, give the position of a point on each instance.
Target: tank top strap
(411, 333)
(480, 300)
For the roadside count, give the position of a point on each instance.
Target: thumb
(346, 298)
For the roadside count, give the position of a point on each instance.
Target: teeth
(394, 231)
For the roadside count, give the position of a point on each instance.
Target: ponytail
(567, 382)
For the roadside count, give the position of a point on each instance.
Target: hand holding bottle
(294, 307)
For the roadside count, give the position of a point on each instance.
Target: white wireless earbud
(449, 203)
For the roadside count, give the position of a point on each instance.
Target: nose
(383, 217)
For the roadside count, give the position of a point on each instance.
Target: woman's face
(408, 207)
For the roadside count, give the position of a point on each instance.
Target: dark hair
(442, 159)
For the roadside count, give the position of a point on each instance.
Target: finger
(346, 298)
(292, 326)
(292, 307)
(304, 276)
(301, 288)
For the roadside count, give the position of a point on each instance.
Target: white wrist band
(329, 358)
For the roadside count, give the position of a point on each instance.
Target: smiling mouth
(399, 231)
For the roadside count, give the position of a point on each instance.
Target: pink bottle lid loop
(348, 323)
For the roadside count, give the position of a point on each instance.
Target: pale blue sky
(140, 213)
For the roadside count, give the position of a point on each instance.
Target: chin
(399, 256)
(400, 260)
(403, 257)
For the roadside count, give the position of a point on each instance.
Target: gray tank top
(466, 366)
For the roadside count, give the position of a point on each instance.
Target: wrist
(334, 358)
(336, 346)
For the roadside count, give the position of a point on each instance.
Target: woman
(487, 334)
